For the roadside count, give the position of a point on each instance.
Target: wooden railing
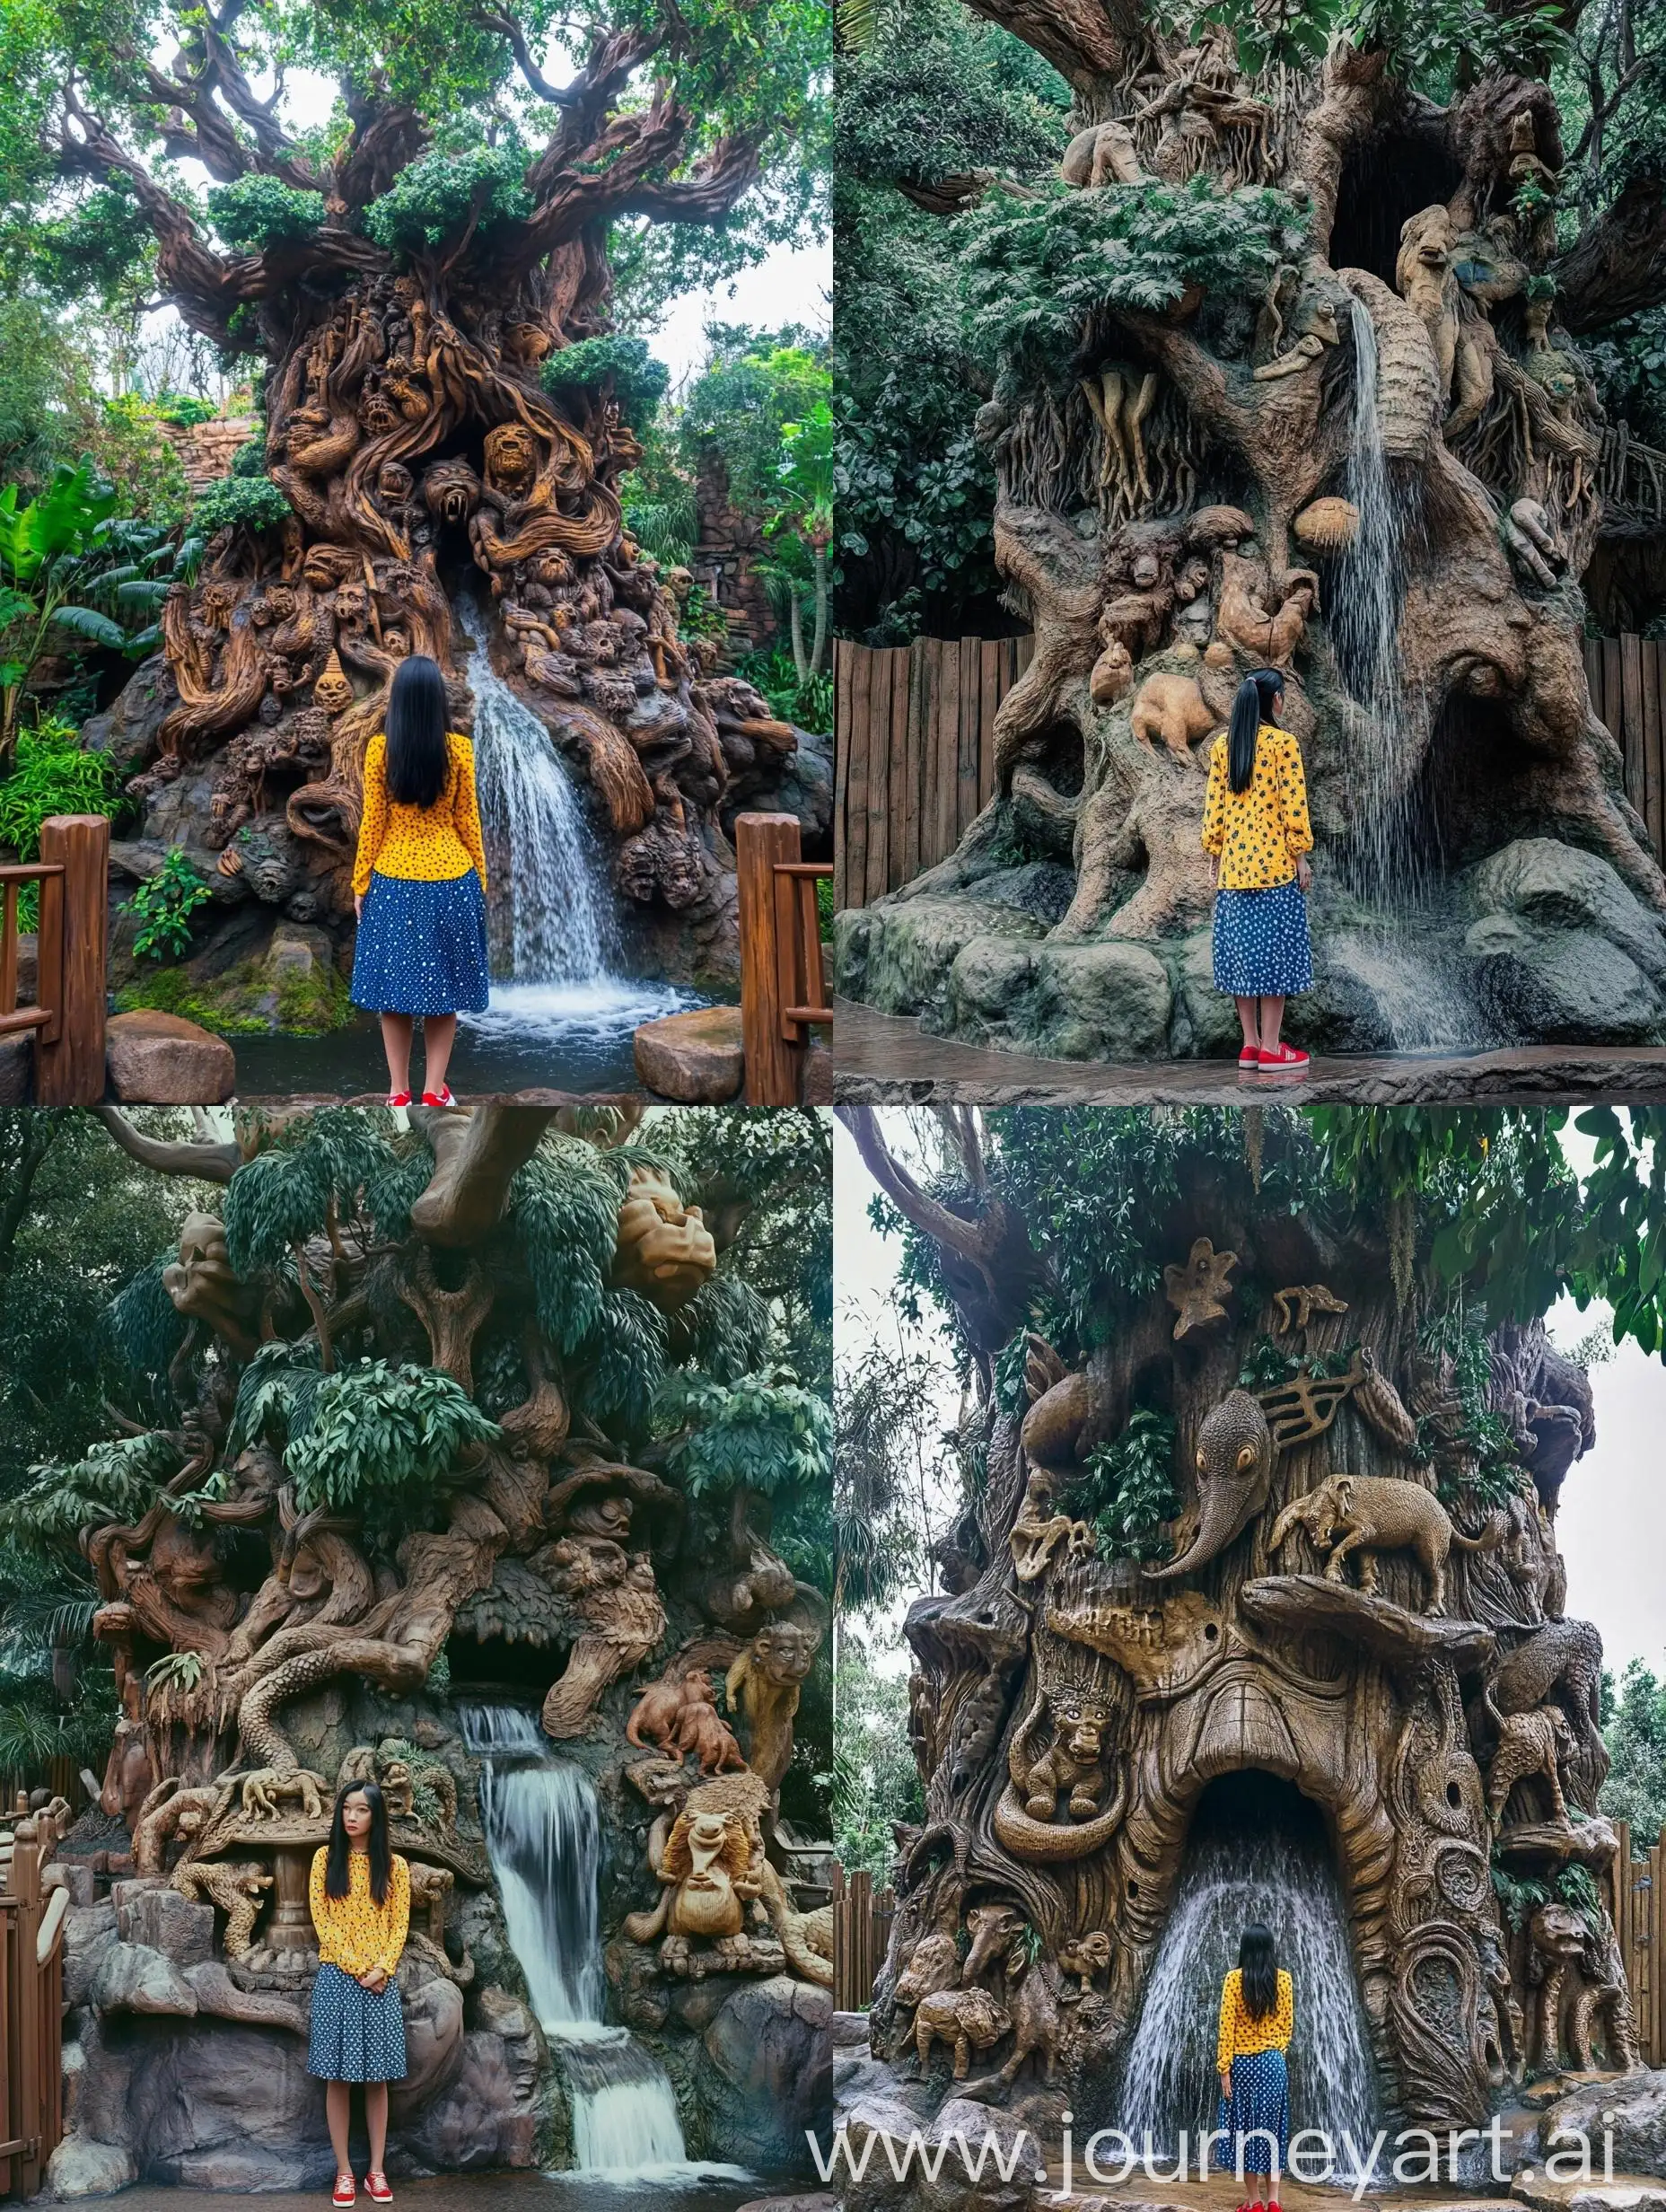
(783, 992)
(915, 753)
(31, 2003)
(66, 1018)
(861, 1918)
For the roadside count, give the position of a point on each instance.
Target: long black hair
(1250, 708)
(417, 757)
(337, 1874)
(1258, 1963)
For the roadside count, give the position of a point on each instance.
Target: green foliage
(875, 1779)
(381, 1439)
(764, 1432)
(944, 97)
(807, 701)
(254, 212)
(116, 1480)
(233, 501)
(184, 411)
(164, 904)
(563, 1211)
(725, 1329)
(1128, 1489)
(753, 383)
(1576, 1887)
(1518, 1901)
(1265, 1368)
(1634, 1731)
(143, 1324)
(442, 191)
(287, 1193)
(1036, 266)
(250, 458)
(50, 775)
(618, 1367)
(637, 381)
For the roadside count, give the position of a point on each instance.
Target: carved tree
(1286, 376)
(1272, 1515)
(412, 280)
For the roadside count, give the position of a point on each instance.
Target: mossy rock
(292, 987)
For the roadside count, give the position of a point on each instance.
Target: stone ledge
(695, 1057)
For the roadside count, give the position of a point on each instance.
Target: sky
(789, 286)
(1611, 1525)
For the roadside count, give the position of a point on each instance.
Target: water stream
(1257, 1851)
(555, 943)
(543, 1837)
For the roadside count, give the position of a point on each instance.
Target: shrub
(440, 193)
(257, 212)
(639, 381)
(51, 775)
(254, 502)
(164, 907)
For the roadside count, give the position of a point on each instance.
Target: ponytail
(1250, 708)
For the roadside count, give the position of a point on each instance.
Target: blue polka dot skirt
(1255, 2117)
(421, 947)
(1261, 945)
(358, 2034)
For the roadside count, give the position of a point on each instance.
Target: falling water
(544, 1839)
(554, 937)
(1258, 1851)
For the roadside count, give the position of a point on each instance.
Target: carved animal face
(181, 1563)
(784, 1652)
(696, 1686)
(992, 1928)
(1234, 1467)
(511, 457)
(451, 490)
(1080, 1725)
(394, 483)
(352, 602)
(1429, 238)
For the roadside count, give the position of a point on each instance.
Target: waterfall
(555, 945)
(543, 1837)
(1257, 1851)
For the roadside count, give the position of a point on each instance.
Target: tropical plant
(804, 512)
(164, 904)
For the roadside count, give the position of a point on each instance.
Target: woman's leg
(338, 2107)
(1249, 1015)
(376, 2121)
(439, 1034)
(396, 1042)
(1260, 2188)
(1272, 1015)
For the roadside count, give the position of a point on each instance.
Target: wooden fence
(782, 989)
(861, 1932)
(1627, 679)
(1637, 1902)
(66, 1018)
(31, 2003)
(914, 752)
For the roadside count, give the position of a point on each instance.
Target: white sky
(1611, 1525)
(786, 286)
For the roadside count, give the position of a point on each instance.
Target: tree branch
(1619, 265)
(39, 1131)
(1086, 40)
(208, 1163)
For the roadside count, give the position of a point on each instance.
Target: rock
(135, 1979)
(89, 1937)
(218, 1995)
(770, 2049)
(1562, 985)
(882, 2111)
(850, 2029)
(128, 729)
(76, 1876)
(504, 2014)
(811, 2200)
(815, 1087)
(695, 1057)
(896, 955)
(80, 2167)
(162, 1059)
(434, 2040)
(1620, 2195)
(227, 2107)
(487, 2116)
(1637, 2102)
(1206, 1021)
(17, 1070)
(174, 1925)
(1559, 887)
(1109, 1001)
(991, 988)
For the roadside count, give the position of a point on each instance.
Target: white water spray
(555, 945)
(544, 1839)
(1256, 1853)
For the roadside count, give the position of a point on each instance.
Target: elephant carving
(1369, 1513)
(1234, 1474)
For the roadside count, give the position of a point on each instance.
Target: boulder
(897, 956)
(1109, 1001)
(770, 2049)
(1559, 887)
(487, 2116)
(80, 2167)
(162, 1059)
(991, 987)
(695, 1057)
(127, 728)
(17, 1069)
(1206, 1021)
(135, 1979)
(172, 1924)
(1633, 2110)
(882, 2112)
(1562, 985)
(226, 2107)
(434, 2040)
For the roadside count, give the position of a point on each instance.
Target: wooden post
(75, 927)
(772, 1063)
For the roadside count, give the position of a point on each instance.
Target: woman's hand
(375, 1980)
(1226, 2083)
(1304, 873)
(358, 905)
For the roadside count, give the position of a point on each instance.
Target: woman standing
(419, 882)
(1257, 2016)
(1255, 828)
(361, 1898)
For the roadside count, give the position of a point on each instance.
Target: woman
(419, 882)
(361, 1897)
(1255, 828)
(1257, 2014)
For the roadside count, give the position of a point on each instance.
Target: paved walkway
(472, 2192)
(881, 1058)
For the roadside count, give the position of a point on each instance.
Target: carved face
(696, 1686)
(1428, 238)
(704, 1851)
(219, 602)
(451, 490)
(182, 1564)
(332, 691)
(554, 569)
(379, 415)
(325, 565)
(785, 1652)
(394, 483)
(352, 602)
(664, 1249)
(1080, 1721)
(511, 457)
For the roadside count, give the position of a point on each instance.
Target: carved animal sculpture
(1031, 1989)
(699, 1730)
(1559, 1937)
(1235, 1471)
(765, 1683)
(1529, 1743)
(1296, 1306)
(659, 1710)
(1172, 710)
(935, 1964)
(1605, 1995)
(238, 1886)
(968, 2019)
(1086, 1956)
(1566, 1654)
(1102, 154)
(1369, 1513)
(1072, 1762)
(1112, 676)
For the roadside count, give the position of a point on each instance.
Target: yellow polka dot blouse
(1241, 2036)
(420, 844)
(1255, 834)
(355, 1932)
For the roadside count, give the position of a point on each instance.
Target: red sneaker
(398, 1098)
(1250, 1056)
(1287, 1059)
(346, 2189)
(376, 2186)
(441, 1097)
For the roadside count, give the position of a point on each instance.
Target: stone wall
(726, 558)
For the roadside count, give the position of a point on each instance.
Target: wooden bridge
(66, 1019)
(31, 2001)
(784, 995)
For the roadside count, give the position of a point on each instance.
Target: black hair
(1258, 1963)
(1250, 708)
(337, 1875)
(417, 757)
